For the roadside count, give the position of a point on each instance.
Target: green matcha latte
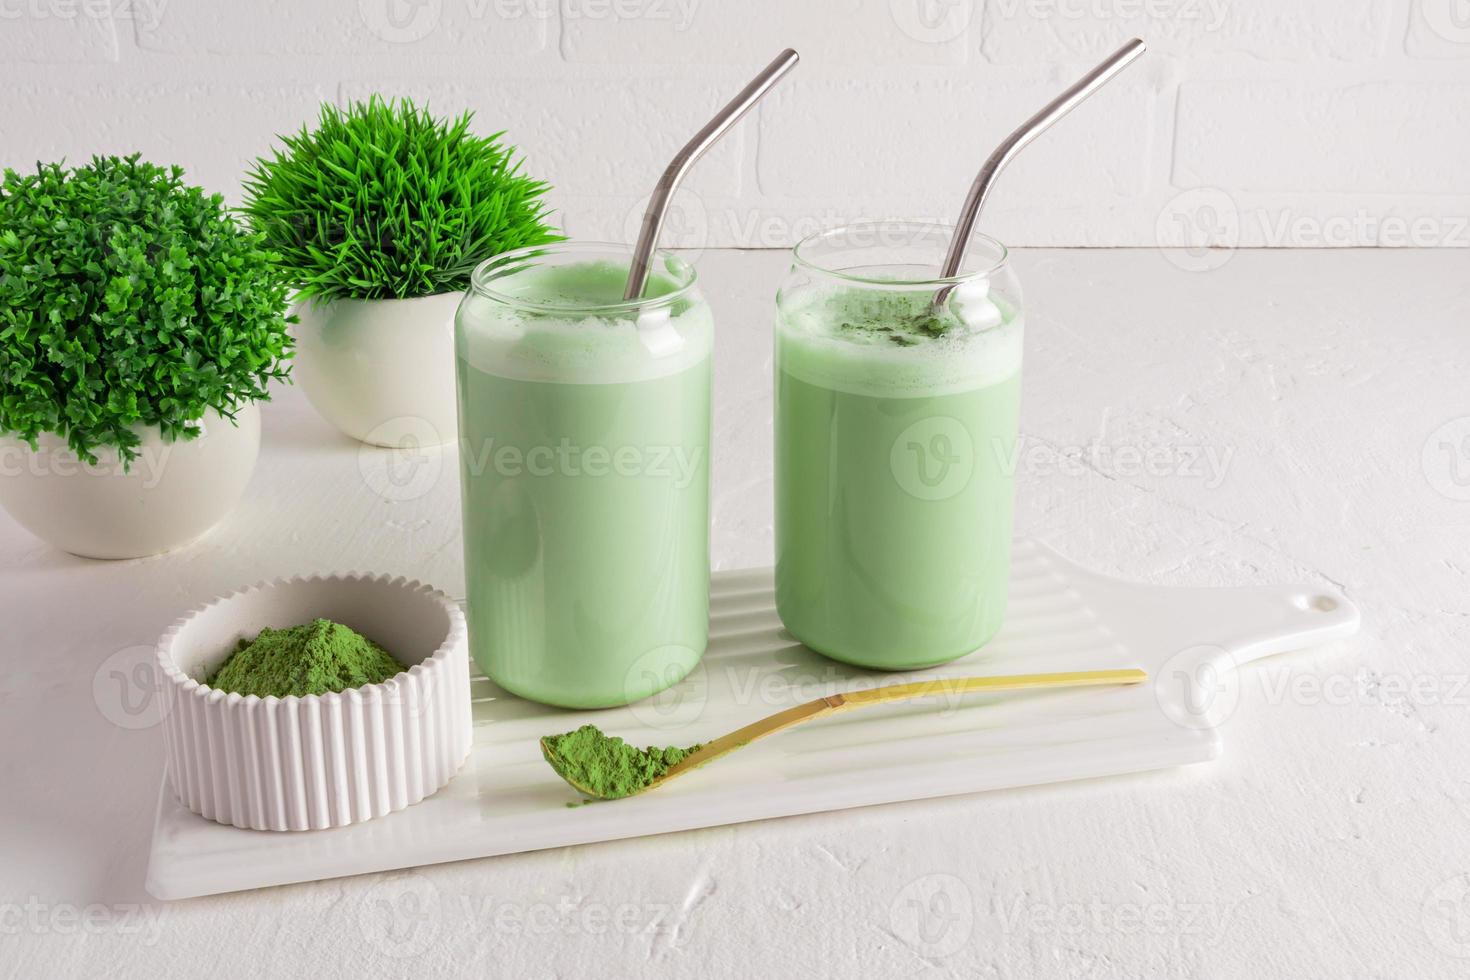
(895, 450)
(584, 428)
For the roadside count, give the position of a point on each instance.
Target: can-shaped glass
(584, 432)
(896, 401)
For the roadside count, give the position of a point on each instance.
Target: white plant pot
(381, 370)
(172, 493)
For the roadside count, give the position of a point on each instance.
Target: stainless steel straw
(658, 204)
(1016, 142)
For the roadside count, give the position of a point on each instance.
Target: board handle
(1246, 623)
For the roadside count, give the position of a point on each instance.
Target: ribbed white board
(1060, 618)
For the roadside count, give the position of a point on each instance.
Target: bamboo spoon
(832, 704)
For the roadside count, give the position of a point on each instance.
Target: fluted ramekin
(309, 763)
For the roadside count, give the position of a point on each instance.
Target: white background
(1330, 838)
(1304, 419)
(1308, 122)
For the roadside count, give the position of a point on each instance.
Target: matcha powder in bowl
(310, 726)
(320, 657)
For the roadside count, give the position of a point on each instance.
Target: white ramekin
(320, 761)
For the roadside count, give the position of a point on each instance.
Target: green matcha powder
(320, 657)
(606, 766)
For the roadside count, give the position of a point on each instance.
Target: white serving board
(1060, 618)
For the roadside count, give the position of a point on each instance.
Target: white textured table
(1276, 419)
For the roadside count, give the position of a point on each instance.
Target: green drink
(895, 447)
(584, 458)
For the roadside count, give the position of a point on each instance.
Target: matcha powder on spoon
(320, 657)
(606, 766)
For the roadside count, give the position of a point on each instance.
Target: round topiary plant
(128, 299)
(383, 201)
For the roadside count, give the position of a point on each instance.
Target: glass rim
(481, 278)
(800, 254)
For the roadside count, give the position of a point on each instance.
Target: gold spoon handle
(834, 703)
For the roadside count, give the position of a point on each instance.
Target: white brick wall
(1252, 122)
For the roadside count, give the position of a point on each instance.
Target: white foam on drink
(508, 342)
(819, 344)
